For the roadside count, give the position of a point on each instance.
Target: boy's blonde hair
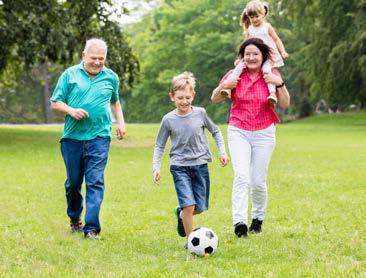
(181, 81)
(254, 7)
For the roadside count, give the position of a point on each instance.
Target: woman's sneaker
(240, 229)
(256, 226)
(180, 226)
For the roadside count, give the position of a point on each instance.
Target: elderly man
(85, 94)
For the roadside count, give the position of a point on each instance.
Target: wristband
(281, 85)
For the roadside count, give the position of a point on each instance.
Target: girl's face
(257, 19)
(183, 100)
(253, 58)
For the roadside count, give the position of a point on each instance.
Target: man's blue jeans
(85, 158)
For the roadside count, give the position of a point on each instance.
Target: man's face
(94, 58)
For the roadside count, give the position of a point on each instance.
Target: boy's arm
(277, 41)
(159, 149)
(216, 133)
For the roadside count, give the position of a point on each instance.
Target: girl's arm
(278, 42)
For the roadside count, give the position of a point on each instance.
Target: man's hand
(78, 113)
(156, 177)
(120, 131)
(224, 160)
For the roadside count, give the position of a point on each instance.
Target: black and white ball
(202, 241)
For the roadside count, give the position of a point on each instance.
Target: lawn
(315, 225)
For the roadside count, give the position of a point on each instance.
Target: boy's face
(183, 100)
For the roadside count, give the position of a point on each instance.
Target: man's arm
(118, 114)
(76, 113)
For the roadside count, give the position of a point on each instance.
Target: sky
(136, 10)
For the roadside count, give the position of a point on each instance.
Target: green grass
(315, 225)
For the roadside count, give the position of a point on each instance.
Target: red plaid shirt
(250, 109)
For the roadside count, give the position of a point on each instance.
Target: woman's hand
(273, 79)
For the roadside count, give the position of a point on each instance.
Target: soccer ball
(202, 241)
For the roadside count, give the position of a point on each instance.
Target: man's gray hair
(95, 42)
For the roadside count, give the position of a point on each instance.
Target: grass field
(315, 225)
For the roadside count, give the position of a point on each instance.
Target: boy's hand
(156, 177)
(224, 160)
(284, 54)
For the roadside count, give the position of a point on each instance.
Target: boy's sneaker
(256, 226)
(93, 235)
(76, 225)
(226, 93)
(180, 227)
(272, 98)
(240, 229)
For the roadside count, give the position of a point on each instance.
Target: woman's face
(253, 57)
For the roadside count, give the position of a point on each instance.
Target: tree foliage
(325, 40)
(37, 34)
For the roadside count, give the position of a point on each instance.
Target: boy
(189, 153)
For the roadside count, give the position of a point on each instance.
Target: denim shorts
(192, 184)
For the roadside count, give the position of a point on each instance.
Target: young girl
(189, 153)
(254, 24)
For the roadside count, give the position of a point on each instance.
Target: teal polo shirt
(77, 90)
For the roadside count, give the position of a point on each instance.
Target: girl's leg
(234, 75)
(267, 68)
(188, 219)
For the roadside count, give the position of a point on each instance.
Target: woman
(251, 132)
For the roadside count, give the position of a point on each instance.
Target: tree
(37, 34)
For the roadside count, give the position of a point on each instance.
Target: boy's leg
(188, 219)
(183, 188)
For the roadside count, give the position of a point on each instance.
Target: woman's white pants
(250, 153)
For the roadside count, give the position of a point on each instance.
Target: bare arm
(278, 42)
(118, 114)
(282, 93)
(76, 113)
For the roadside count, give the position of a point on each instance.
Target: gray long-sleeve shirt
(189, 144)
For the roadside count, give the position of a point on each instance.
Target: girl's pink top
(250, 109)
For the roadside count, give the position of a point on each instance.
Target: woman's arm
(282, 93)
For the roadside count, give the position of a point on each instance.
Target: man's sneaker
(272, 98)
(76, 225)
(226, 93)
(180, 227)
(94, 235)
(256, 226)
(240, 229)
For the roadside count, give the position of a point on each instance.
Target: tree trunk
(46, 94)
